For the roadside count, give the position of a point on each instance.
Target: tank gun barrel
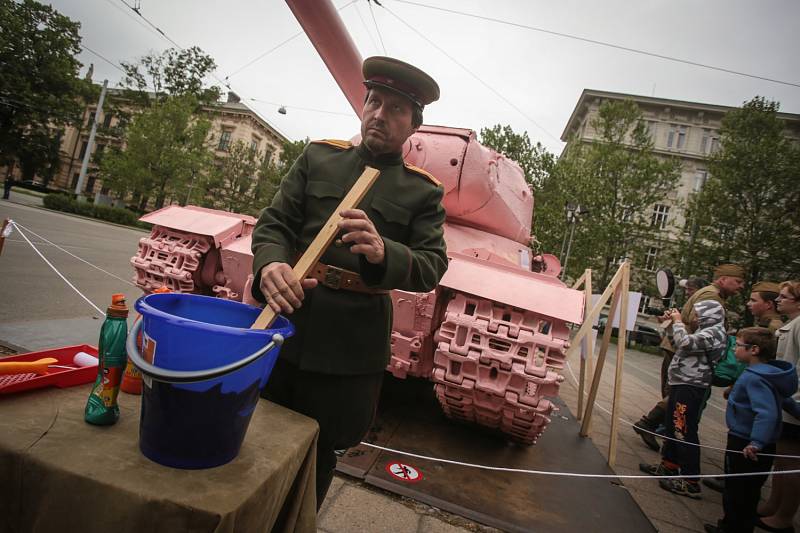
(327, 33)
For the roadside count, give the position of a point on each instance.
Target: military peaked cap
(401, 78)
(766, 286)
(729, 269)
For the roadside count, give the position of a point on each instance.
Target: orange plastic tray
(57, 377)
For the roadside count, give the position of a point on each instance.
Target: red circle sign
(404, 472)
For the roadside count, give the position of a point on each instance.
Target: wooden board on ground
(409, 419)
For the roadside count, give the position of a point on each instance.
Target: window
(700, 177)
(225, 140)
(104, 190)
(90, 184)
(650, 259)
(627, 214)
(660, 216)
(107, 120)
(652, 129)
(688, 222)
(84, 146)
(710, 142)
(268, 154)
(644, 303)
(75, 180)
(677, 136)
(254, 142)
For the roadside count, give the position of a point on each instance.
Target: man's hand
(361, 234)
(750, 452)
(675, 315)
(282, 289)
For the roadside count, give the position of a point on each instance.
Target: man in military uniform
(332, 369)
(728, 281)
(762, 305)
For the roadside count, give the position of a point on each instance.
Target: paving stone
(357, 509)
(333, 492)
(667, 527)
(429, 524)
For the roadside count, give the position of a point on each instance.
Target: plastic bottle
(102, 408)
(132, 380)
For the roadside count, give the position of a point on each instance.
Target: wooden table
(58, 473)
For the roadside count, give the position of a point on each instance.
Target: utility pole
(90, 144)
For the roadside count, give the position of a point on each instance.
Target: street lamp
(573, 212)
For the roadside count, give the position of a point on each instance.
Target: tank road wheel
(495, 364)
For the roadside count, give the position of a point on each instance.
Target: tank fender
(512, 286)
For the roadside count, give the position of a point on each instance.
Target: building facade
(231, 121)
(688, 131)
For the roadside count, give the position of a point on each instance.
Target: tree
(40, 92)
(156, 77)
(232, 182)
(166, 149)
(616, 179)
(270, 172)
(747, 211)
(536, 162)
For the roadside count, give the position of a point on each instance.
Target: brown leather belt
(339, 278)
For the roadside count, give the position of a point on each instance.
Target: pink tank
(491, 337)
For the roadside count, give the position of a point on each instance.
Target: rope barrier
(575, 379)
(450, 461)
(73, 255)
(572, 474)
(100, 311)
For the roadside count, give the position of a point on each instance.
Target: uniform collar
(378, 160)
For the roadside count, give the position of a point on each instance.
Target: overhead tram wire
(279, 45)
(304, 108)
(374, 21)
(468, 71)
(364, 24)
(600, 43)
(116, 66)
(159, 30)
(225, 83)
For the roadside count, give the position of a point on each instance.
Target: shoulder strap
(336, 143)
(424, 173)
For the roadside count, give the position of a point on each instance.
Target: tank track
(494, 365)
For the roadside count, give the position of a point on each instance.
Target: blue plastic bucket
(203, 369)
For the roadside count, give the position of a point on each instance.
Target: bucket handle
(190, 376)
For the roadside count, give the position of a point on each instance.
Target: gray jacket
(697, 353)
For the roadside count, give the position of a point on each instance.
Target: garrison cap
(766, 286)
(729, 269)
(400, 77)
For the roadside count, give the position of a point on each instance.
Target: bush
(117, 215)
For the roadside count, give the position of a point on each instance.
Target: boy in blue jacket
(754, 424)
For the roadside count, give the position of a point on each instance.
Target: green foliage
(166, 146)
(536, 162)
(40, 92)
(231, 183)
(616, 178)
(156, 77)
(747, 211)
(67, 204)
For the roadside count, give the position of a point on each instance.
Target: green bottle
(102, 408)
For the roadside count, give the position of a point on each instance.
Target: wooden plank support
(601, 357)
(588, 351)
(621, 342)
(323, 238)
(598, 306)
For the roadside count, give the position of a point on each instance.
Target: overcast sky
(534, 78)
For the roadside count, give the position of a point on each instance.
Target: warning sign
(404, 472)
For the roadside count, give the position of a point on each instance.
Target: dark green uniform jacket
(341, 331)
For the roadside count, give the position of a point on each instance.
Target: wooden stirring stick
(323, 238)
